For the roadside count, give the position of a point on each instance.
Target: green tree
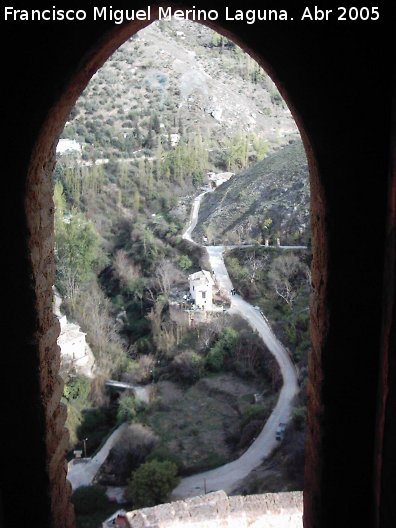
(152, 483)
(184, 262)
(77, 388)
(136, 200)
(123, 174)
(60, 206)
(222, 349)
(89, 499)
(149, 140)
(78, 252)
(155, 124)
(236, 152)
(260, 146)
(126, 409)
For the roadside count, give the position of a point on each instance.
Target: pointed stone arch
(342, 322)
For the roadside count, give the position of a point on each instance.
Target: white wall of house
(201, 289)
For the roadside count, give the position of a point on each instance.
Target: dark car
(280, 432)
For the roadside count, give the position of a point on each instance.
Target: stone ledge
(217, 510)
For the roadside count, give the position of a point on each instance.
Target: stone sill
(218, 510)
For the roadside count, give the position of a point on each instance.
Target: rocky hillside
(266, 201)
(174, 79)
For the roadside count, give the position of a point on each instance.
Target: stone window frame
(40, 218)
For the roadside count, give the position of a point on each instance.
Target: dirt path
(194, 216)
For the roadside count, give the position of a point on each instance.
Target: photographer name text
(249, 16)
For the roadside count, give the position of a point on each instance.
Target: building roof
(202, 277)
(220, 176)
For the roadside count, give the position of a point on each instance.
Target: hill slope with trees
(150, 125)
(268, 200)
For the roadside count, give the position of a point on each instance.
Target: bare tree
(95, 313)
(70, 282)
(132, 448)
(256, 264)
(208, 332)
(140, 371)
(126, 271)
(166, 276)
(283, 273)
(163, 332)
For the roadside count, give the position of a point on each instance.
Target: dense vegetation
(148, 129)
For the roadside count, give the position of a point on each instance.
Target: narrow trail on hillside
(227, 476)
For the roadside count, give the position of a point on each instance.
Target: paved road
(226, 477)
(83, 472)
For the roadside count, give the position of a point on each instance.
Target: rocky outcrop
(76, 354)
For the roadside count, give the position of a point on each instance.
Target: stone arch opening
(113, 41)
(91, 97)
(36, 272)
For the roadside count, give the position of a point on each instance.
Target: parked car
(280, 432)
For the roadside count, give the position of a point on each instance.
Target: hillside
(268, 200)
(176, 79)
(175, 102)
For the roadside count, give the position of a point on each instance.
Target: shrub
(184, 262)
(89, 499)
(221, 349)
(163, 454)
(215, 358)
(140, 370)
(249, 433)
(126, 408)
(256, 412)
(95, 425)
(93, 419)
(188, 365)
(77, 388)
(152, 483)
(299, 418)
(131, 450)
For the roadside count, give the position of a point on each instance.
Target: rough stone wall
(217, 510)
(40, 214)
(386, 426)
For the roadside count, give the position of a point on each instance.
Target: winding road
(82, 472)
(227, 476)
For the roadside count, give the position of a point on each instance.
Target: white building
(68, 145)
(201, 289)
